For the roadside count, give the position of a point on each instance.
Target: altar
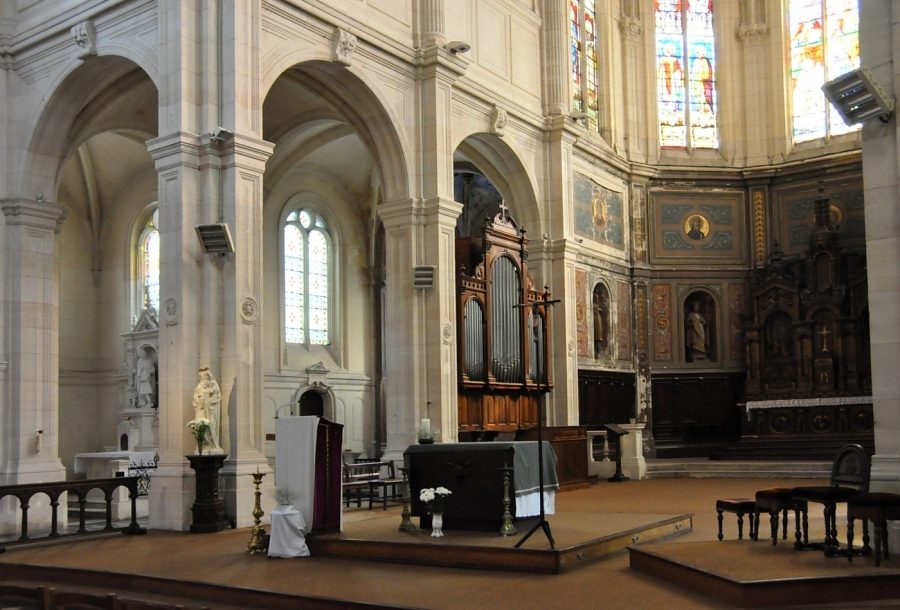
(473, 472)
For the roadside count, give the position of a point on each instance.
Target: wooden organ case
(503, 330)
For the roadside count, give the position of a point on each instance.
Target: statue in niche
(696, 335)
(207, 404)
(601, 320)
(146, 380)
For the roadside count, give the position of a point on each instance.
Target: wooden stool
(778, 500)
(741, 506)
(877, 508)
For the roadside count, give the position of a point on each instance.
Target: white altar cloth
(288, 535)
(83, 459)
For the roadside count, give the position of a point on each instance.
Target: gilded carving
(759, 227)
(623, 320)
(581, 327)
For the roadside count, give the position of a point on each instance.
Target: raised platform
(581, 537)
(756, 574)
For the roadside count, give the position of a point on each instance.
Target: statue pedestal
(208, 511)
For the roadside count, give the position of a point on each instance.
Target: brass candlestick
(507, 528)
(259, 540)
(406, 525)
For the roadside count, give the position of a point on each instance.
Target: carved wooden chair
(779, 500)
(849, 477)
(877, 508)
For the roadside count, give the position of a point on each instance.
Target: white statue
(146, 386)
(208, 405)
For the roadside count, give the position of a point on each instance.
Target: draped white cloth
(288, 534)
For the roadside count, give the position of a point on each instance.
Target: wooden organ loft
(503, 331)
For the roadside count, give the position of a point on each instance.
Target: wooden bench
(371, 479)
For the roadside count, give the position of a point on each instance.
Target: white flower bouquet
(199, 427)
(434, 497)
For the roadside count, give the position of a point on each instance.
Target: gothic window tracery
(686, 74)
(584, 61)
(147, 256)
(307, 272)
(824, 43)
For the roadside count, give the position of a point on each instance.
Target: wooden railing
(53, 491)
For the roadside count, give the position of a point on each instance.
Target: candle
(425, 426)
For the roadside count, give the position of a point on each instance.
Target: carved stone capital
(37, 213)
(631, 28)
(343, 43)
(752, 33)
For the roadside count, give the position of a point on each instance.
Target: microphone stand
(542, 521)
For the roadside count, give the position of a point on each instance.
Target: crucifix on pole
(540, 370)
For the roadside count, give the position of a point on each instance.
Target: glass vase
(437, 523)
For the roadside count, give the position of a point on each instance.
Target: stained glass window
(584, 60)
(824, 45)
(686, 74)
(148, 260)
(307, 248)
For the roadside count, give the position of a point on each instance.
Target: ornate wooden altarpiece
(808, 373)
(503, 329)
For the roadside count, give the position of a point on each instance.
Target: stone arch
(358, 104)
(503, 167)
(325, 392)
(48, 142)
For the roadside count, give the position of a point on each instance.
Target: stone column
(634, 96)
(404, 341)
(431, 23)
(440, 314)
(177, 157)
(555, 51)
(878, 29)
(29, 436)
(753, 33)
(244, 160)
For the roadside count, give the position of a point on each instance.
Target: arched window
(307, 273)
(685, 74)
(583, 60)
(148, 263)
(824, 44)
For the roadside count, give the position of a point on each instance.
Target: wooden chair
(778, 500)
(21, 596)
(849, 477)
(877, 508)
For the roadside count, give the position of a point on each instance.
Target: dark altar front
(473, 472)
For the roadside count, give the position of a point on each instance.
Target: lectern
(308, 462)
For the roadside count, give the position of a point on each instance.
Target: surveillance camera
(579, 116)
(458, 46)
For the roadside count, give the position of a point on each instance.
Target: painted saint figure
(695, 231)
(207, 404)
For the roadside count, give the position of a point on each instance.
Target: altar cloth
(288, 534)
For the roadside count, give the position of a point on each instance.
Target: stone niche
(138, 427)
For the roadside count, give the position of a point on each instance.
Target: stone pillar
(29, 436)
(404, 343)
(440, 314)
(244, 160)
(431, 23)
(634, 466)
(438, 216)
(879, 26)
(753, 33)
(634, 95)
(555, 51)
(177, 158)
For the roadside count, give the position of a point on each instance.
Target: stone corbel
(343, 43)
(499, 119)
(85, 38)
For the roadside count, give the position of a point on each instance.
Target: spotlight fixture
(216, 239)
(458, 46)
(857, 97)
(220, 135)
